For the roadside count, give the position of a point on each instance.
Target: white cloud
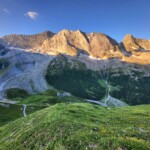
(6, 10)
(33, 15)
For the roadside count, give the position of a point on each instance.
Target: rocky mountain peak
(135, 44)
(129, 43)
(128, 36)
(75, 42)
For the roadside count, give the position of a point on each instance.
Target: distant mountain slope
(26, 41)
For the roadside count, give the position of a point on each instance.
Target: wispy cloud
(33, 15)
(6, 10)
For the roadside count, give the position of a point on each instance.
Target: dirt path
(24, 110)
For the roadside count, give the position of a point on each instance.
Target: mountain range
(73, 90)
(74, 43)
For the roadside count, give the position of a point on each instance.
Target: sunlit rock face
(135, 44)
(75, 42)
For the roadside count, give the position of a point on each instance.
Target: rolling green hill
(78, 126)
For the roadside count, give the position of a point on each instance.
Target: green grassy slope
(79, 126)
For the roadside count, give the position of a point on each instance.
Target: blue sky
(113, 17)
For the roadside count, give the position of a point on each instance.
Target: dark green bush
(16, 93)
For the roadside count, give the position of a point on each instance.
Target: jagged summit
(75, 42)
(129, 43)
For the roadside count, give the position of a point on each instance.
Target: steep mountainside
(26, 41)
